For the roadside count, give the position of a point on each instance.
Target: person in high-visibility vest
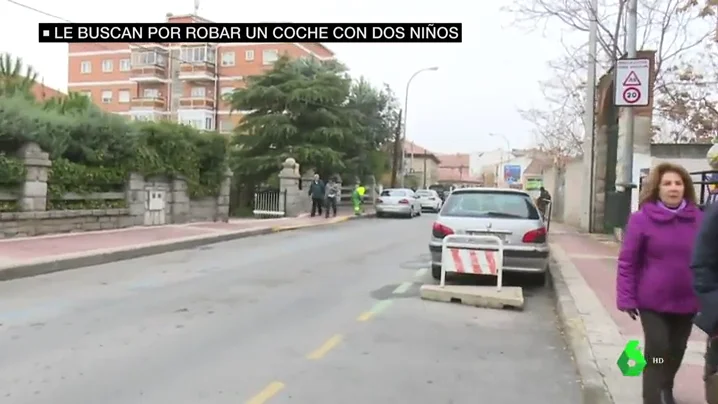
(358, 198)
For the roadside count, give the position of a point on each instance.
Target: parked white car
(429, 199)
(398, 202)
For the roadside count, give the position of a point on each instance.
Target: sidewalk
(586, 264)
(30, 256)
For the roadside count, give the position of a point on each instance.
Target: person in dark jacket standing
(654, 279)
(316, 192)
(705, 282)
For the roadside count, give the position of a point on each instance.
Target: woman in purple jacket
(654, 279)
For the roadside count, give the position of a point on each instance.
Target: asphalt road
(327, 315)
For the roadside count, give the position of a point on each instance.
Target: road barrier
(472, 254)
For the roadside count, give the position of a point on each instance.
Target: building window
(151, 93)
(227, 91)
(200, 54)
(227, 58)
(86, 67)
(107, 66)
(249, 55)
(148, 59)
(144, 117)
(125, 65)
(270, 56)
(226, 125)
(198, 92)
(87, 94)
(106, 96)
(123, 96)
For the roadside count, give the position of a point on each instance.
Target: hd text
(264, 32)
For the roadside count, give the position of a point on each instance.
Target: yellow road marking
(421, 272)
(401, 289)
(325, 348)
(270, 391)
(378, 308)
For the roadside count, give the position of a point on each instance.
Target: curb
(68, 262)
(593, 386)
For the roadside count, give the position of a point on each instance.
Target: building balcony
(148, 74)
(196, 103)
(148, 103)
(198, 71)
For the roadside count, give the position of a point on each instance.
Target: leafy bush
(94, 151)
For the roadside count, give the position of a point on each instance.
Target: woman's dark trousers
(331, 204)
(666, 337)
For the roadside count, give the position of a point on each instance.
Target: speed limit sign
(631, 95)
(632, 82)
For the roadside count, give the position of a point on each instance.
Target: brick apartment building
(181, 82)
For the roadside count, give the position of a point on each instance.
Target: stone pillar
(223, 197)
(136, 197)
(33, 193)
(179, 210)
(290, 196)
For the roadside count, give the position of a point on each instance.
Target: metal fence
(270, 202)
(708, 183)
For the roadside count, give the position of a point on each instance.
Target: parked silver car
(429, 199)
(508, 214)
(398, 202)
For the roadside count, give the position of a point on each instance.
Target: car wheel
(436, 271)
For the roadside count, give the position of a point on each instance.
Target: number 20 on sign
(632, 82)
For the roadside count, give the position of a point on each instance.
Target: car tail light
(404, 201)
(378, 201)
(440, 231)
(536, 236)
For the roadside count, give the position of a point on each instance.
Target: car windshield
(424, 193)
(508, 205)
(393, 192)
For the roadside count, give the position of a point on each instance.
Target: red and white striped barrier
(475, 254)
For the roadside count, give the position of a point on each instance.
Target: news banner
(261, 32)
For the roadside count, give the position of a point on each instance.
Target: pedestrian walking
(542, 201)
(654, 280)
(316, 192)
(332, 192)
(705, 282)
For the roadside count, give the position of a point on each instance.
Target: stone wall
(566, 184)
(25, 224)
(34, 219)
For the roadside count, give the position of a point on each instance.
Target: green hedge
(94, 151)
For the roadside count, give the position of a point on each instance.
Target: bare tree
(558, 124)
(669, 27)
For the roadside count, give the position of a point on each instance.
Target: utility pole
(631, 40)
(589, 119)
(397, 154)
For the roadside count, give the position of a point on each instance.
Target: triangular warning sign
(632, 79)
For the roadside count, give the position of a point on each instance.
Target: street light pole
(403, 137)
(589, 119)
(631, 42)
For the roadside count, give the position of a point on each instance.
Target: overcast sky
(477, 90)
